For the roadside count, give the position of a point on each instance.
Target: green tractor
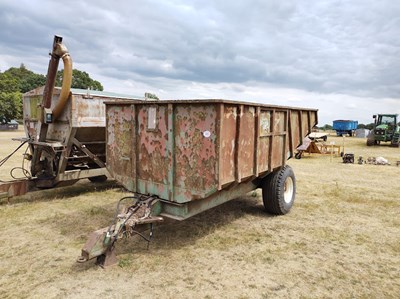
(385, 129)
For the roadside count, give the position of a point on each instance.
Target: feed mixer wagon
(65, 132)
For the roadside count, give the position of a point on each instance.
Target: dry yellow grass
(7, 145)
(341, 240)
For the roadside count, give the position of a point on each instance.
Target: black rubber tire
(298, 155)
(370, 142)
(279, 191)
(98, 179)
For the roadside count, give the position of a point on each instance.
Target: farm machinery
(343, 127)
(386, 129)
(179, 158)
(65, 132)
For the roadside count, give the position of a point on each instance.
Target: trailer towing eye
(134, 220)
(81, 259)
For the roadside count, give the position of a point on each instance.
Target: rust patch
(246, 142)
(188, 150)
(295, 128)
(265, 123)
(195, 147)
(228, 144)
(14, 188)
(153, 152)
(120, 130)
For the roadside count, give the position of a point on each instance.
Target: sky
(341, 57)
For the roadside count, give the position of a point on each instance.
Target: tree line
(15, 81)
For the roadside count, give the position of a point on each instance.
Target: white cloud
(341, 57)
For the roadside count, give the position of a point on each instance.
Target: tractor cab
(386, 122)
(385, 129)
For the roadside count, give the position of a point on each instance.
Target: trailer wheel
(98, 179)
(279, 191)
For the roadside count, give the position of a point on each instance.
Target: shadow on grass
(179, 234)
(174, 235)
(79, 188)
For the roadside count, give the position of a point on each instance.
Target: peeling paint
(196, 148)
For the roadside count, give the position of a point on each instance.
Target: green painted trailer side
(197, 154)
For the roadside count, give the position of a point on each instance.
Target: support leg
(108, 259)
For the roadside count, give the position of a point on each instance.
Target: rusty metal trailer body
(182, 157)
(197, 154)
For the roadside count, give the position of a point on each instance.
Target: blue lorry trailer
(343, 127)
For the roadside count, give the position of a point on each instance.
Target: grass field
(341, 240)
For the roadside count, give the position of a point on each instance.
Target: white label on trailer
(207, 134)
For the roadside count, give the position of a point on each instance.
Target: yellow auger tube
(63, 53)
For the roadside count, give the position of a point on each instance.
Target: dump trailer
(386, 129)
(182, 157)
(345, 127)
(65, 131)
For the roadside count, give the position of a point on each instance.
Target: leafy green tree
(8, 83)
(327, 127)
(370, 126)
(26, 79)
(80, 80)
(14, 82)
(17, 80)
(10, 106)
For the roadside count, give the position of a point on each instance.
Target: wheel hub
(288, 190)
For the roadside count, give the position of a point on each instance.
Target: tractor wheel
(98, 179)
(370, 142)
(279, 191)
(394, 144)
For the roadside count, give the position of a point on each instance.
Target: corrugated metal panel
(246, 142)
(194, 148)
(183, 151)
(228, 144)
(121, 144)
